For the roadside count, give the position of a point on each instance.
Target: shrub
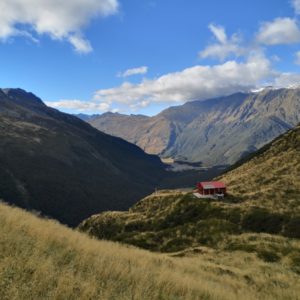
(136, 225)
(295, 259)
(176, 244)
(234, 216)
(260, 220)
(292, 228)
(106, 226)
(268, 255)
(212, 231)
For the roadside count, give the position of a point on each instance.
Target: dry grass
(272, 178)
(41, 259)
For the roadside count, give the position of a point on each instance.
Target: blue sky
(140, 56)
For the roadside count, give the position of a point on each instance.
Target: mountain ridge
(60, 165)
(199, 130)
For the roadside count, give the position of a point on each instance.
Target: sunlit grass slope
(41, 259)
(271, 177)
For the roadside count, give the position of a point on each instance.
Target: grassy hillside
(263, 198)
(41, 259)
(172, 221)
(270, 177)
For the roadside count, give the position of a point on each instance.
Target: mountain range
(244, 246)
(64, 168)
(215, 132)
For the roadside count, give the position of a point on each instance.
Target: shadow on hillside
(231, 199)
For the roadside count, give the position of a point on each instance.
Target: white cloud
(297, 61)
(134, 71)
(81, 45)
(79, 106)
(296, 6)
(61, 20)
(287, 80)
(224, 46)
(194, 83)
(219, 33)
(279, 31)
(198, 82)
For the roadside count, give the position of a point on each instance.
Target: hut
(211, 189)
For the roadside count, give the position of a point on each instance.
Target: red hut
(212, 189)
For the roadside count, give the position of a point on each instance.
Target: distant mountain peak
(275, 88)
(110, 113)
(20, 95)
(265, 88)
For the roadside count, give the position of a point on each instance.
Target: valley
(58, 165)
(244, 245)
(149, 150)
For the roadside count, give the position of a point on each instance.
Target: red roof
(212, 185)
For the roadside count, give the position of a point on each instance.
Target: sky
(141, 56)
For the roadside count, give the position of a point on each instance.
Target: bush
(107, 226)
(292, 228)
(234, 216)
(191, 210)
(136, 225)
(295, 259)
(268, 255)
(260, 220)
(176, 244)
(142, 242)
(210, 232)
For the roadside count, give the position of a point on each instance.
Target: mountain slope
(57, 164)
(263, 198)
(271, 176)
(41, 259)
(216, 131)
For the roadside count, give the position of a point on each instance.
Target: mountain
(216, 132)
(263, 198)
(85, 117)
(61, 166)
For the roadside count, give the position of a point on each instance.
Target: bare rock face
(216, 131)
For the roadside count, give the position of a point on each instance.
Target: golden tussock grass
(41, 259)
(272, 178)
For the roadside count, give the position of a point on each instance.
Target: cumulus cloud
(134, 71)
(224, 47)
(279, 31)
(61, 20)
(296, 5)
(287, 80)
(198, 82)
(195, 83)
(79, 106)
